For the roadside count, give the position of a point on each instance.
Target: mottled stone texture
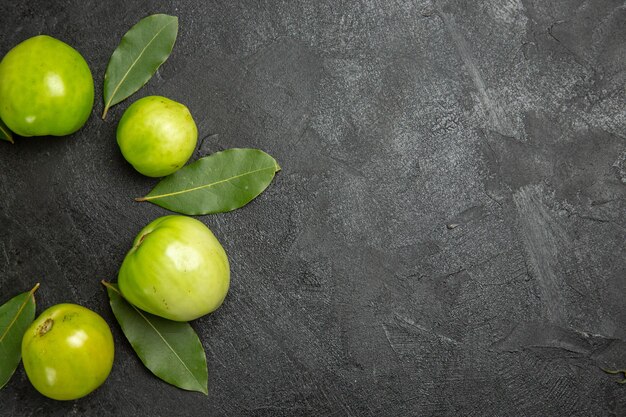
(446, 236)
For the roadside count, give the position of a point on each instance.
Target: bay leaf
(620, 372)
(217, 183)
(5, 133)
(15, 316)
(140, 53)
(171, 350)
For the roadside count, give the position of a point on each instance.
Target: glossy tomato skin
(176, 269)
(67, 352)
(157, 136)
(46, 88)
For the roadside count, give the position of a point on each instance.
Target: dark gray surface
(446, 236)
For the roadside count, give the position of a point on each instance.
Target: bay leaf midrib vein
(148, 198)
(108, 104)
(19, 311)
(168, 345)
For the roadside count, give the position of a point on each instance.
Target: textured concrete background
(446, 236)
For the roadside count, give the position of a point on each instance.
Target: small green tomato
(67, 352)
(46, 88)
(176, 269)
(157, 136)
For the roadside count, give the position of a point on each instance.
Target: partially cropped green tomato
(67, 352)
(46, 88)
(157, 136)
(176, 269)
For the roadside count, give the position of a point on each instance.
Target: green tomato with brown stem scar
(67, 352)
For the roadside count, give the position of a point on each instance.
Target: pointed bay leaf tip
(203, 388)
(8, 137)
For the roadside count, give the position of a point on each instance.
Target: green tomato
(176, 269)
(46, 88)
(157, 135)
(67, 352)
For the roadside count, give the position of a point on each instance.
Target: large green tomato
(157, 135)
(46, 88)
(67, 352)
(176, 269)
